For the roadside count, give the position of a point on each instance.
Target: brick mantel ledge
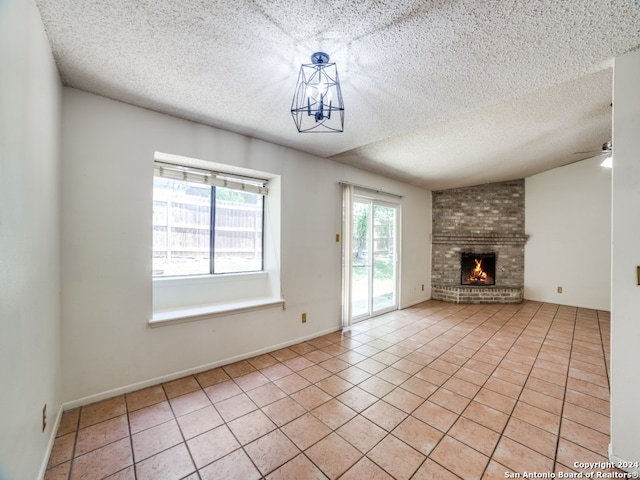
(443, 239)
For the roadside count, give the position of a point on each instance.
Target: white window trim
(265, 289)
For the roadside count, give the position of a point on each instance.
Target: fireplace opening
(478, 269)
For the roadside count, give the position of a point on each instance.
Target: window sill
(182, 315)
(206, 278)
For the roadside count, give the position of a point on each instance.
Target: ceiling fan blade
(605, 150)
(597, 152)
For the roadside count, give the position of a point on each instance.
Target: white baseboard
(174, 376)
(623, 464)
(52, 439)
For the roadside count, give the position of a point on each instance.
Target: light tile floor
(436, 391)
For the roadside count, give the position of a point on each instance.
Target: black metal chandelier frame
(317, 105)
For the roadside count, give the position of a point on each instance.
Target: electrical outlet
(559, 289)
(304, 318)
(337, 237)
(44, 417)
(423, 287)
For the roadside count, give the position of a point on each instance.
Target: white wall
(625, 296)
(108, 150)
(30, 373)
(568, 220)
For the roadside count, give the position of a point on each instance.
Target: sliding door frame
(350, 194)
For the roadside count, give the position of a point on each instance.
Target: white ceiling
(438, 93)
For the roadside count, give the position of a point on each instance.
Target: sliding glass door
(374, 258)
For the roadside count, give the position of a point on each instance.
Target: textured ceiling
(438, 93)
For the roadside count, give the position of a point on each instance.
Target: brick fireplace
(471, 224)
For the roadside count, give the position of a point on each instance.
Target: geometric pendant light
(317, 104)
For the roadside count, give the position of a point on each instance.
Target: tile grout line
(566, 386)
(604, 350)
(175, 418)
(75, 442)
(133, 458)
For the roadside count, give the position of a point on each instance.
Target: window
(206, 222)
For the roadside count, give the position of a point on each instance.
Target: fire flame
(477, 274)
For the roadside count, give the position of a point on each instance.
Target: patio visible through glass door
(374, 258)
